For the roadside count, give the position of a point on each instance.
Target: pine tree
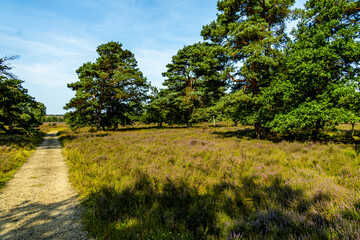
(194, 82)
(253, 32)
(18, 110)
(109, 92)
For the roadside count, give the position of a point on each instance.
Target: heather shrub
(213, 183)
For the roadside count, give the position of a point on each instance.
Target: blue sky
(55, 37)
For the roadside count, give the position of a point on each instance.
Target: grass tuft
(213, 183)
(14, 151)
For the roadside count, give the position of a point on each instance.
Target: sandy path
(39, 203)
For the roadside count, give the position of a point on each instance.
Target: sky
(55, 37)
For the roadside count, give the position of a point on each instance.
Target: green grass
(14, 151)
(213, 183)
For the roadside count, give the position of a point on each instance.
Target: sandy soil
(39, 203)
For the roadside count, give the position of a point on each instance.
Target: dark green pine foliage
(253, 34)
(157, 108)
(194, 82)
(323, 72)
(109, 92)
(18, 110)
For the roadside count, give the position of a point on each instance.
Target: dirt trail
(39, 203)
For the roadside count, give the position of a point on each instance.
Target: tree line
(18, 110)
(53, 118)
(247, 69)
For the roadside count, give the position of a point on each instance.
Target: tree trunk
(98, 124)
(316, 131)
(188, 117)
(258, 130)
(188, 124)
(352, 129)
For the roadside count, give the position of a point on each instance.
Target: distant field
(14, 151)
(53, 126)
(214, 183)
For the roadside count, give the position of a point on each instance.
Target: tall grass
(213, 183)
(14, 151)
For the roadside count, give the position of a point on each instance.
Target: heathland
(14, 151)
(214, 183)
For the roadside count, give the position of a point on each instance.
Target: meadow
(214, 183)
(14, 151)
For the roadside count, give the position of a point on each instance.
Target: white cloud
(152, 63)
(51, 60)
(46, 74)
(56, 46)
(55, 38)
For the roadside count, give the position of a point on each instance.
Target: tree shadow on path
(31, 220)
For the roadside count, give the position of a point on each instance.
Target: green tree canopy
(109, 92)
(18, 110)
(157, 109)
(194, 81)
(323, 71)
(253, 33)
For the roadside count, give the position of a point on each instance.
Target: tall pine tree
(194, 82)
(253, 32)
(109, 92)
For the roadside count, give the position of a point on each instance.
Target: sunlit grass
(14, 151)
(213, 183)
(53, 127)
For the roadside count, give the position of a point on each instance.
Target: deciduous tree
(322, 65)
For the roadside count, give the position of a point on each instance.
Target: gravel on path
(39, 202)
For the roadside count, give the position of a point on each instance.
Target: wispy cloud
(54, 38)
(152, 63)
(47, 74)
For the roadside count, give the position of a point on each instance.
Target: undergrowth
(213, 183)
(14, 151)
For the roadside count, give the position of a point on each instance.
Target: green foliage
(52, 118)
(237, 106)
(17, 108)
(309, 83)
(156, 110)
(109, 92)
(253, 34)
(323, 73)
(202, 183)
(194, 82)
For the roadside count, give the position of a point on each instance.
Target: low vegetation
(14, 151)
(214, 183)
(53, 127)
